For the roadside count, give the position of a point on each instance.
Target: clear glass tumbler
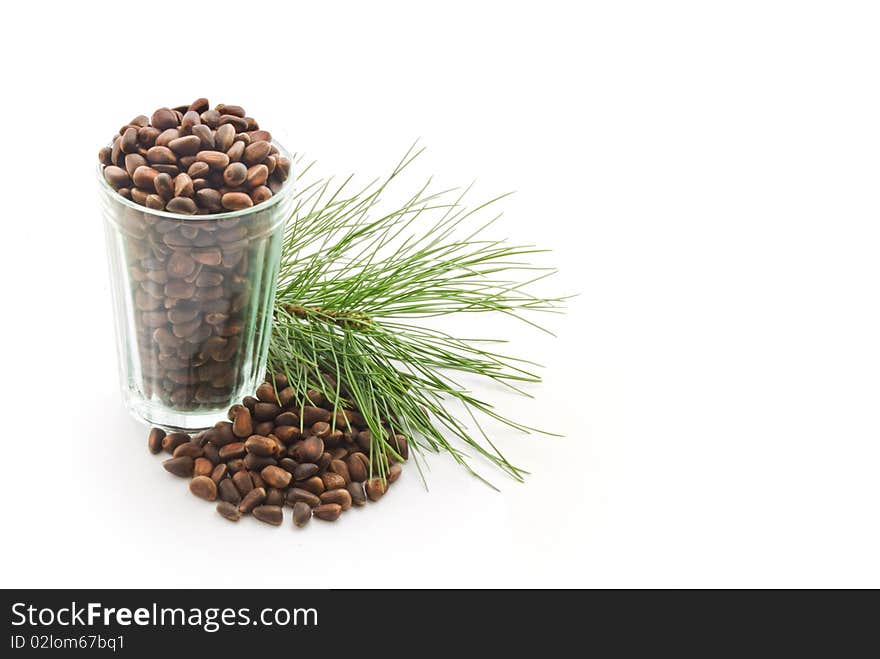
(192, 298)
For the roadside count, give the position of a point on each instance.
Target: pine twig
(354, 279)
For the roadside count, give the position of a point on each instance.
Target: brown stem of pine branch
(349, 319)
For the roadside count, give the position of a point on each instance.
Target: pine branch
(352, 277)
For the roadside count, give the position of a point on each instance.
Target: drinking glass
(192, 300)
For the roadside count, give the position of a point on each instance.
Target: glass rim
(271, 201)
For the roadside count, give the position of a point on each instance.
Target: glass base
(160, 415)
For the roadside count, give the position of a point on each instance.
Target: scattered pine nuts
(302, 457)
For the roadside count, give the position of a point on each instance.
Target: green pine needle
(354, 275)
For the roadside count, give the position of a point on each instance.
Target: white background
(706, 175)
